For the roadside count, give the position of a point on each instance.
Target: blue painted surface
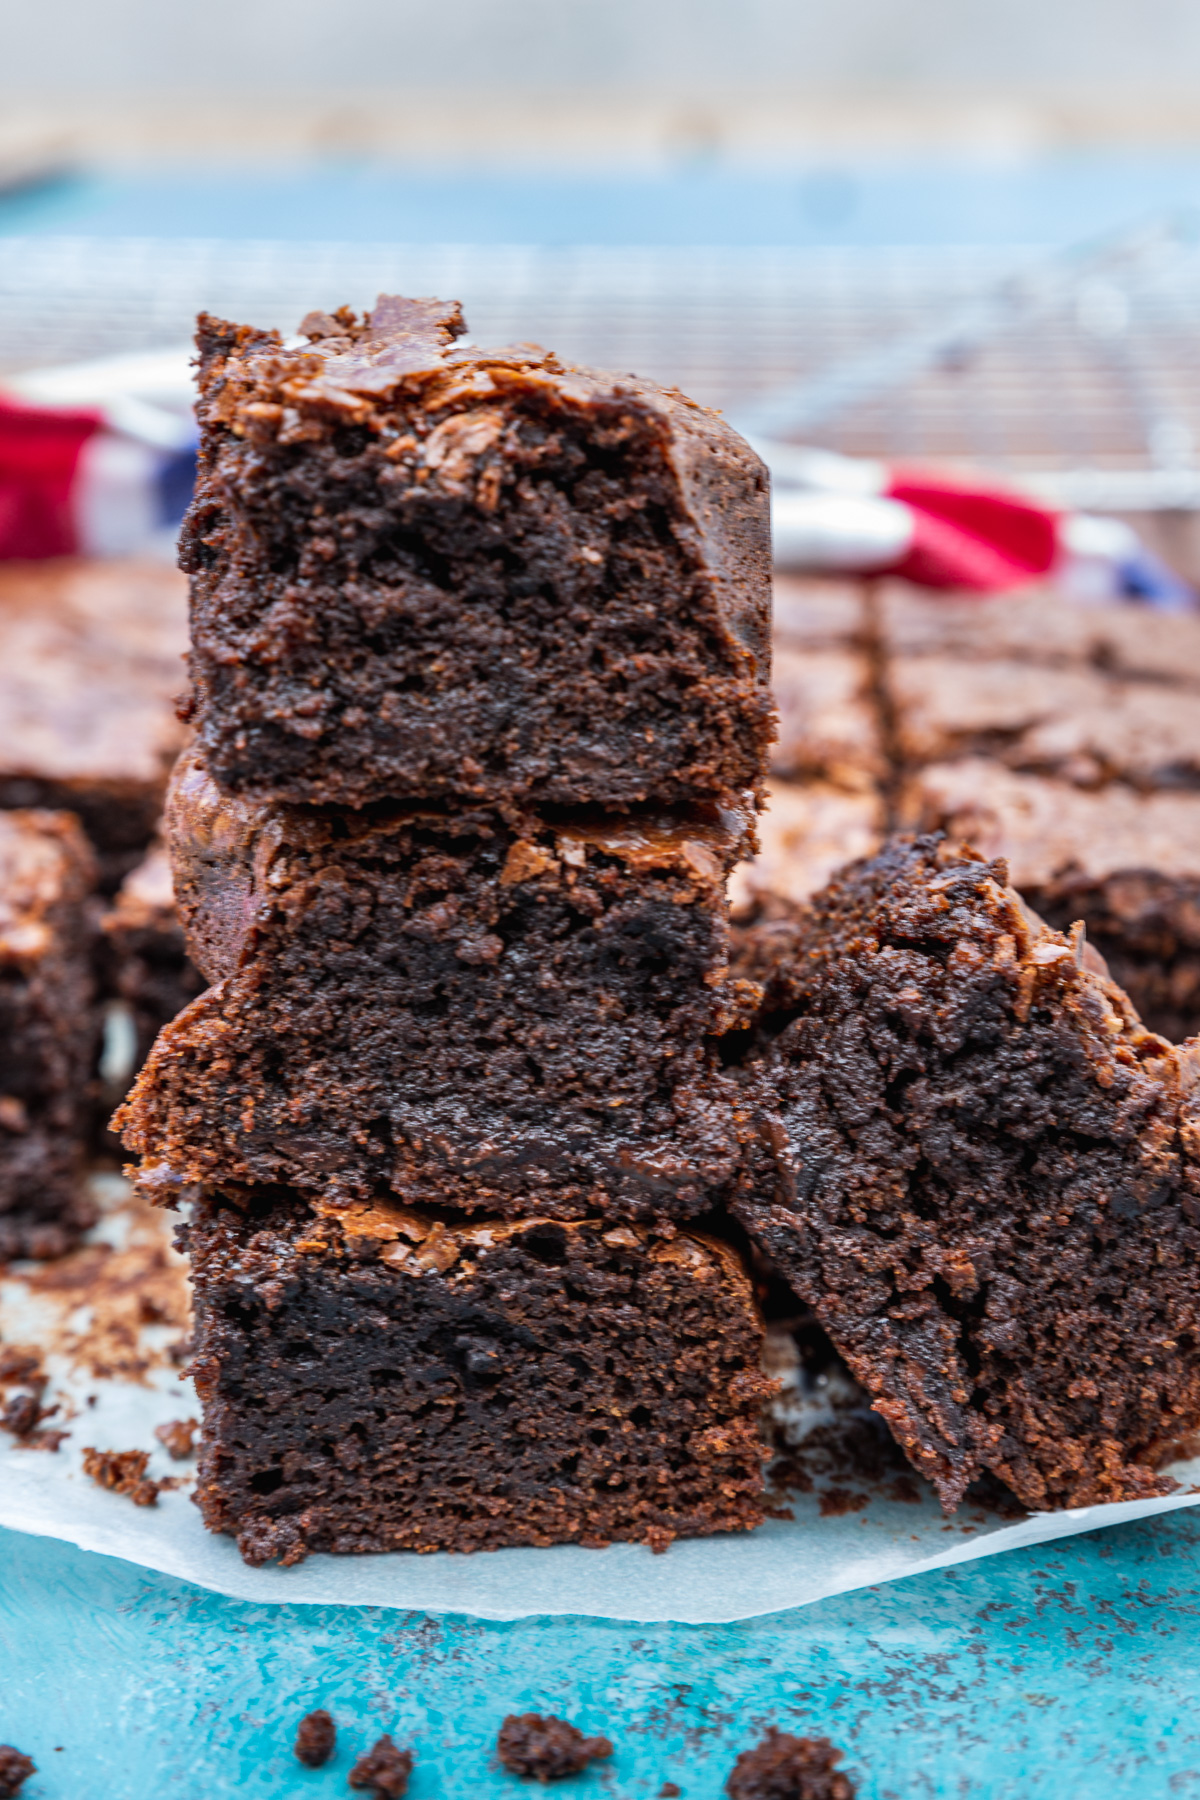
(1069, 1671)
(1040, 200)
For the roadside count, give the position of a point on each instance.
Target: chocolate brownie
(48, 1030)
(808, 830)
(1126, 863)
(90, 664)
(422, 571)
(375, 1378)
(829, 726)
(986, 1183)
(502, 1016)
(147, 964)
(1082, 725)
(817, 613)
(546, 1749)
(786, 1767)
(1129, 642)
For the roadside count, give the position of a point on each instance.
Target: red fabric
(39, 454)
(972, 537)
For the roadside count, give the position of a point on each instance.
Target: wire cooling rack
(1081, 372)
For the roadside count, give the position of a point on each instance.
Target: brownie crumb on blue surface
(15, 1770)
(547, 1749)
(785, 1767)
(316, 1738)
(383, 1772)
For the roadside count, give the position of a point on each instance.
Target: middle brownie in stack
(480, 682)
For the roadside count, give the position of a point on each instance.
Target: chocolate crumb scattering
(384, 1771)
(669, 1790)
(785, 1767)
(547, 1749)
(316, 1738)
(178, 1437)
(124, 1472)
(15, 1770)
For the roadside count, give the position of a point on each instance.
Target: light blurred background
(934, 228)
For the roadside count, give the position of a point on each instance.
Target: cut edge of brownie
(378, 1378)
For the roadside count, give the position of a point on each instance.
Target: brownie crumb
(547, 1749)
(15, 1770)
(316, 1738)
(20, 1365)
(784, 1767)
(124, 1471)
(669, 1790)
(21, 1414)
(178, 1438)
(836, 1502)
(384, 1771)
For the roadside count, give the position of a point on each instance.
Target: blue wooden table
(1069, 1671)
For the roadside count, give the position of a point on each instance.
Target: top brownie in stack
(425, 572)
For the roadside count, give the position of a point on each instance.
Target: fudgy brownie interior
(422, 571)
(379, 1379)
(983, 1175)
(48, 1030)
(502, 1016)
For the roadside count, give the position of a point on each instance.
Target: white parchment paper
(113, 1397)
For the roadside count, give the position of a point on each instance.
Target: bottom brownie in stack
(48, 1030)
(983, 1175)
(375, 1378)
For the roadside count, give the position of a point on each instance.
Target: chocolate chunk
(546, 1749)
(383, 1771)
(316, 1739)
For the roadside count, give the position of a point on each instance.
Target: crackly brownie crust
(461, 1011)
(1126, 863)
(986, 1182)
(48, 1030)
(378, 1379)
(91, 662)
(421, 571)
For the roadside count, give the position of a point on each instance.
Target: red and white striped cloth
(836, 514)
(97, 459)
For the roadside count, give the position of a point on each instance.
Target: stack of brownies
(480, 661)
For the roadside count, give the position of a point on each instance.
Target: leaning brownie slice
(377, 1379)
(48, 1030)
(451, 1007)
(422, 571)
(1126, 863)
(986, 1181)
